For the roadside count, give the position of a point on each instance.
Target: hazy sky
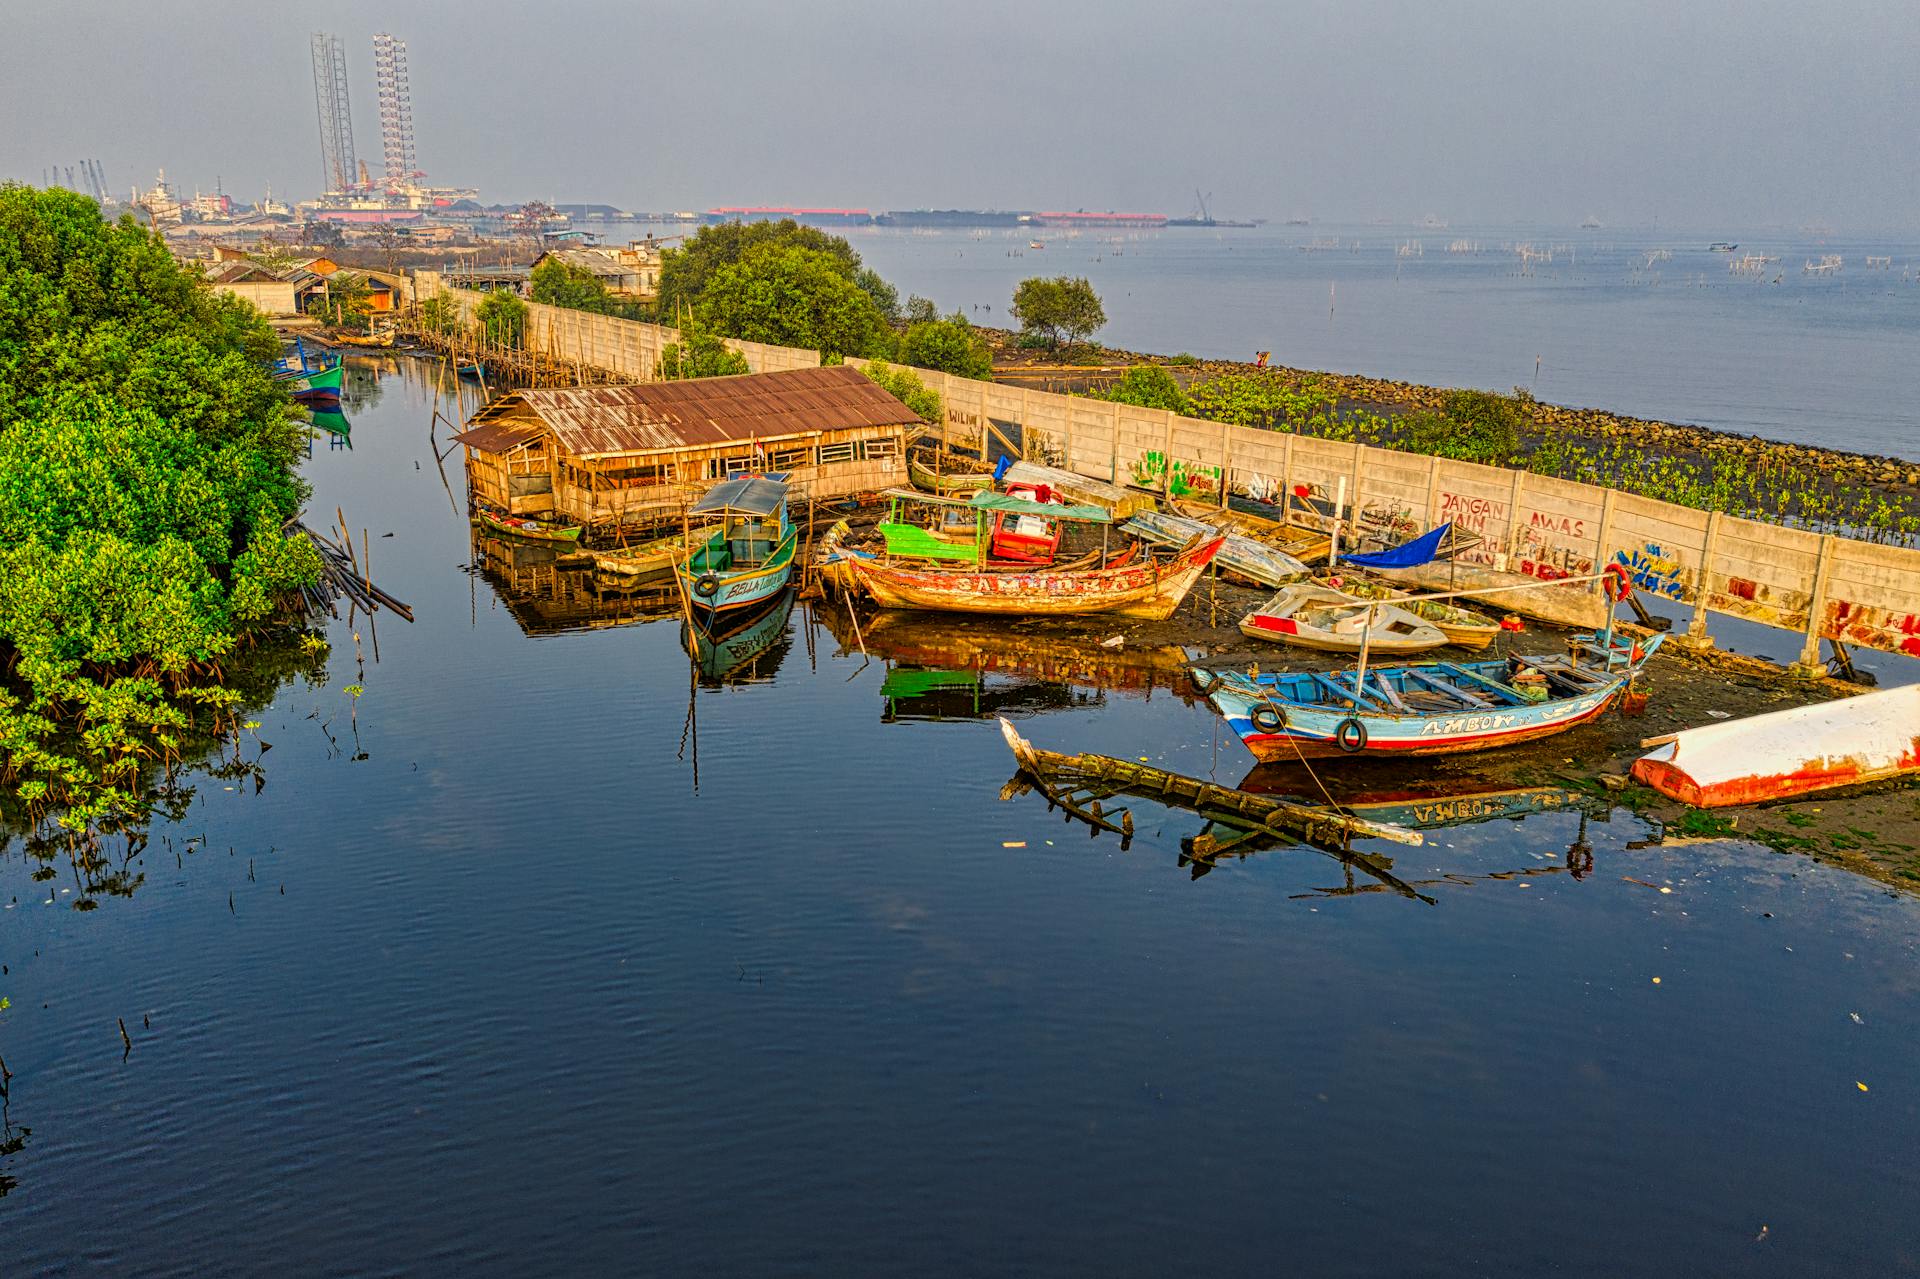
(1677, 111)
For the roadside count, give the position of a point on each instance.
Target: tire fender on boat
(1351, 735)
(1203, 679)
(707, 585)
(1268, 718)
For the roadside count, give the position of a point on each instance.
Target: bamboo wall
(1819, 585)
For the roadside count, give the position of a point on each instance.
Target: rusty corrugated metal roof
(597, 421)
(499, 435)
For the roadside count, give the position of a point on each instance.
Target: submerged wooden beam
(1281, 816)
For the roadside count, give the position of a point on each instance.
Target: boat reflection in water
(747, 650)
(551, 589)
(942, 668)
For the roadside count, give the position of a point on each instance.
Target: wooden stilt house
(615, 458)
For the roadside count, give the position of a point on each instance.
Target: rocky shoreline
(1897, 477)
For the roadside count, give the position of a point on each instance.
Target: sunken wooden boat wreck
(1428, 708)
(1256, 561)
(747, 557)
(1237, 822)
(1331, 621)
(1001, 554)
(1800, 751)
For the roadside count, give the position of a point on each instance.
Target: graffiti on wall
(1653, 570)
(1873, 627)
(1190, 479)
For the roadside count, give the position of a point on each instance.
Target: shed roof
(592, 261)
(601, 421)
(501, 435)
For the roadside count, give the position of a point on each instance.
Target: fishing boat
(1427, 708)
(1462, 628)
(929, 481)
(504, 525)
(1084, 490)
(747, 557)
(1331, 621)
(644, 560)
(1255, 561)
(1793, 752)
(998, 553)
(322, 379)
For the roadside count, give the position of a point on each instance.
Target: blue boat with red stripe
(1427, 708)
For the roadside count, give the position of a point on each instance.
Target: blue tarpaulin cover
(1421, 550)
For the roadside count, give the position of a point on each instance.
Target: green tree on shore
(950, 345)
(699, 353)
(1149, 387)
(503, 318)
(1063, 309)
(146, 477)
(792, 296)
(557, 283)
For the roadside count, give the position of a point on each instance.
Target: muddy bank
(1872, 830)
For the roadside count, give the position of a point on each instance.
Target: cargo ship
(1104, 221)
(955, 218)
(767, 213)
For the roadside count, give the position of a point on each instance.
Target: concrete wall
(269, 297)
(626, 347)
(1819, 585)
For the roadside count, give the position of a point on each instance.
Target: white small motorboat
(1785, 753)
(1335, 622)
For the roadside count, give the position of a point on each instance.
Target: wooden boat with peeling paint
(1463, 628)
(1427, 708)
(1807, 749)
(1331, 621)
(947, 483)
(1143, 587)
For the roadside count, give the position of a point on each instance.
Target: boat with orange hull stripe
(1800, 751)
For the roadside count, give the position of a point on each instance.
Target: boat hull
(946, 485)
(1149, 591)
(1800, 751)
(557, 534)
(738, 591)
(1314, 730)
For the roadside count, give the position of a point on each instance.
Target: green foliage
(556, 283)
(1261, 399)
(905, 386)
(1486, 426)
(439, 314)
(1186, 359)
(950, 345)
(699, 353)
(1061, 309)
(921, 310)
(348, 301)
(503, 318)
(686, 272)
(146, 474)
(1150, 387)
(886, 298)
(788, 295)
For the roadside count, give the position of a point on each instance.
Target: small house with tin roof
(613, 458)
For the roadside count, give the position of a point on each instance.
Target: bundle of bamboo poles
(343, 574)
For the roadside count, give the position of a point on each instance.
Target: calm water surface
(492, 989)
